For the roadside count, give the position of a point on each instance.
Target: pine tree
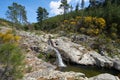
(16, 13)
(65, 6)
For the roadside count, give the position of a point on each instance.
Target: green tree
(82, 6)
(71, 8)
(77, 7)
(65, 6)
(16, 13)
(42, 14)
(92, 3)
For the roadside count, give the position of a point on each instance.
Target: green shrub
(12, 59)
(40, 56)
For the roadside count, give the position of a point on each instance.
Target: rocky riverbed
(41, 70)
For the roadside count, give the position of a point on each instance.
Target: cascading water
(60, 61)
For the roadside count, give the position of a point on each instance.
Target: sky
(31, 7)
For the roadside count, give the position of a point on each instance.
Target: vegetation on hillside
(11, 57)
(98, 20)
(4, 22)
(108, 12)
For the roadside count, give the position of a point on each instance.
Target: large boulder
(80, 55)
(102, 61)
(116, 64)
(104, 76)
(75, 52)
(69, 50)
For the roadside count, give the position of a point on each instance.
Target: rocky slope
(41, 70)
(75, 52)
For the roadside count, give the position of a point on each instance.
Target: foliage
(77, 7)
(16, 13)
(41, 14)
(91, 26)
(97, 19)
(65, 6)
(11, 57)
(4, 22)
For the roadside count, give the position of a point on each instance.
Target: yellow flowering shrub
(78, 17)
(73, 23)
(101, 22)
(9, 37)
(90, 31)
(17, 38)
(88, 19)
(96, 31)
(66, 21)
(88, 25)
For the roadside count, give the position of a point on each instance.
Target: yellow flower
(78, 17)
(8, 37)
(88, 19)
(101, 22)
(66, 21)
(17, 38)
(1, 35)
(96, 31)
(73, 23)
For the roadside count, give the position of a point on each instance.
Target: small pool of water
(91, 71)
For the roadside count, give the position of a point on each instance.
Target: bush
(11, 57)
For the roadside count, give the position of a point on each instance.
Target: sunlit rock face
(105, 76)
(80, 55)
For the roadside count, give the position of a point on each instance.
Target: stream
(91, 71)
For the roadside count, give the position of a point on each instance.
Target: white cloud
(54, 6)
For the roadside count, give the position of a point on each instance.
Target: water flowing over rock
(60, 61)
(105, 76)
(80, 55)
(59, 58)
(75, 52)
(41, 70)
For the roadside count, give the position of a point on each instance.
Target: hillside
(4, 22)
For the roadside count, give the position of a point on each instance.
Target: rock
(29, 78)
(80, 55)
(49, 74)
(72, 50)
(101, 61)
(75, 52)
(116, 64)
(105, 76)
(87, 60)
(79, 38)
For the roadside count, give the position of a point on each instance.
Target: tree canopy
(65, 6)
(16, 13)
(42, 14)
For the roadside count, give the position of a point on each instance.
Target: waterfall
(60, 61)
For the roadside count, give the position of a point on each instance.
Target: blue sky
(32, 5)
